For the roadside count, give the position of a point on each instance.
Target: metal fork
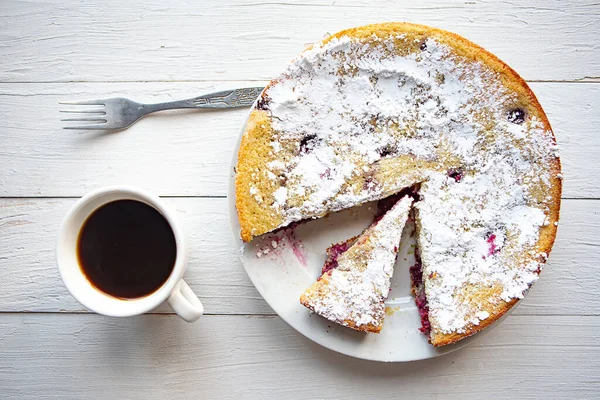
(119, 112)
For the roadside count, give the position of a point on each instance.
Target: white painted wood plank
(178, 152)
(234, 357)
(113, 40)
(30, 280)
(185, 153)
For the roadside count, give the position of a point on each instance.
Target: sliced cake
(355, 280)
(372, 110)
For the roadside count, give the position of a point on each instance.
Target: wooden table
(50, 347)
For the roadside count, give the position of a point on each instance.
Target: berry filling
(334, 252)
(386, 151)
(455, 174)
(263, 103)
(494, 248)
(418, 288)
(385, 204)
(516, 116)
(307, 144)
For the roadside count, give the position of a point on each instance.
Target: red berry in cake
(308, 143)
(262, 103)
(494, 248)
(334, 252)
(516, 116)
(455, 174)
(385, 151)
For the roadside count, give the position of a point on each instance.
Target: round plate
(284, 264)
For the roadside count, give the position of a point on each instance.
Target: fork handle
(236, 98)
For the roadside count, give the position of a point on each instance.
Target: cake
(372, 110)
(356, 276)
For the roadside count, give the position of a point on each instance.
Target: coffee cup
(85, 266)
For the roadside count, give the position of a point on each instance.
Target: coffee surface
(126, 249)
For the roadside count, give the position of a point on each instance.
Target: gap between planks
(170, 314)
(587, 79)
(258, 315)
(196, 197)
(77, 197)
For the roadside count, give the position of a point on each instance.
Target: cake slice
(355, 280)
(473, 267)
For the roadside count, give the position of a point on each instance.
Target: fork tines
(94, 117)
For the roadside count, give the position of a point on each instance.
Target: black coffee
(126, 249)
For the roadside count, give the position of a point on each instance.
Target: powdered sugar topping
(470, 235)
(359, 286)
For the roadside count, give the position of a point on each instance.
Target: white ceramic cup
(175, 291)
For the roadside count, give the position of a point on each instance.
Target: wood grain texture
(179, 152)
(30, 280)
(162, 357)
(113, 40)
(188, 153)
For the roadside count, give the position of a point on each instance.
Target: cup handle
(185, 302)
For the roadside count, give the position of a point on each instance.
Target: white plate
(291, 260)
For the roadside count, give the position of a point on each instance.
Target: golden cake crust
(319, 290)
